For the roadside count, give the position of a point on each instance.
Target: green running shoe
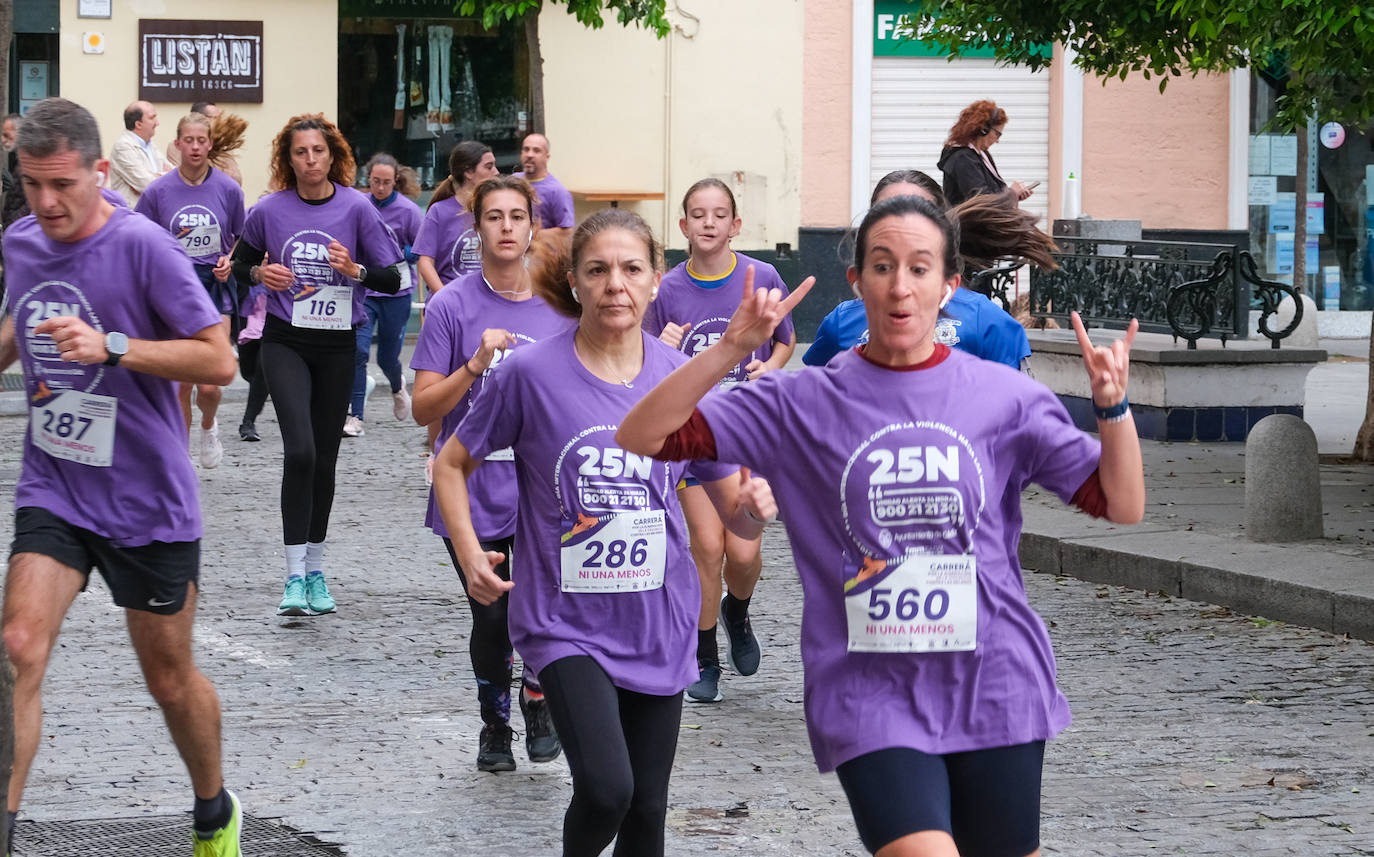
(225, 841)
(317, 593)
(293, 601)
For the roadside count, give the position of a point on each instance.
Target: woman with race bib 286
(318, 246)
(930, 681)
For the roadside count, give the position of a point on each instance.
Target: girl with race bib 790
(604, 598)
(693, 307)
(930, 681)
(468, 330)
(318, 245)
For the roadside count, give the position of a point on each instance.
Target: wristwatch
(116, 346)
(362, 273)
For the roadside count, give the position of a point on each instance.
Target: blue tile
(1208, 427)
(1295, 410)
(1149, 422)
(1255, 413)
(1181, 423)
(1234, 425)
(1081, 411)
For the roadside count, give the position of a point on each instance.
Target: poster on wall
(217, 61)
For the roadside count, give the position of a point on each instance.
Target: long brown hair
(226, 137)
(341, 171)
(992, 228)
(553, 259)
(463, 159)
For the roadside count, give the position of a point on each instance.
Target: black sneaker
(707, 687)
(541, 740)
(742, 651)
(249, 432)
(493, 749)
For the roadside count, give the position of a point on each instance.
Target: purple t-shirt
(447, 236)
(106, 446)
(114, 197)
(402, 216)
(890, 468)
(610, 518)
(681, 300)
(553, 205)
(206, 219)
(297, 234)
(454, 321)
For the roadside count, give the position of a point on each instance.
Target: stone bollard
(1306, 335)
(1283, 490)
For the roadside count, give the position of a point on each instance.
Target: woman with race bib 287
(930, 681)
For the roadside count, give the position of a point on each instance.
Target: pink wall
(1160, 159)
(826, 93)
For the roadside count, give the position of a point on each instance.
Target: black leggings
(620, 776)
(489, 643)
(250, 366)
(310, 376)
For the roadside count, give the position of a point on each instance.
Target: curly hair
(341, 171)
(976, 121)
(226, 137)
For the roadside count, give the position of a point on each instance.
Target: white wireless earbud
(949, 293)
(576, 299)
(654, 293)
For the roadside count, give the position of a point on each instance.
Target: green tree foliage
(649, 14)
(1323, 52)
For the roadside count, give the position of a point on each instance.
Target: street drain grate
(156, 836)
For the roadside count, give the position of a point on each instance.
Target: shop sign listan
(218, 61)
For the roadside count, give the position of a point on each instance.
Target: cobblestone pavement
(1196, 731)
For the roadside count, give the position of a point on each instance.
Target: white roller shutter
(917, 99)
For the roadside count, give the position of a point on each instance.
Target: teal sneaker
(317, 593)
(293, 601)
(225, 841)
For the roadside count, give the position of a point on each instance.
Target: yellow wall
(300, 66)
(722, 96)
(1161, 159)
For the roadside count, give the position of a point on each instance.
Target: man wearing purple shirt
(107, 315)
(554, 208)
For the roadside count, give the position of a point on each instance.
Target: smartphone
(1033, 185)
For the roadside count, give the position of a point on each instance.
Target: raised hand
(760, 311)
(1108, 367)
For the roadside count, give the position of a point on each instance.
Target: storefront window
(1340, 205)
(415, 81)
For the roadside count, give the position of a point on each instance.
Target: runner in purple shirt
(554, 206)
(929, 680)
(106, 315)
(392, 189)
(603, 597)
(319, 246)
(203, 209)
(693, 307)
(447, 243)
(468, 330)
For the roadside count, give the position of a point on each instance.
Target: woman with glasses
(967, 164)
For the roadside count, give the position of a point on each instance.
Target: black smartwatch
(116, 346)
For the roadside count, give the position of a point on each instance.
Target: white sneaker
(353, 427)
(400, 402)
(429, 469)
(369, 385)
(211, 450)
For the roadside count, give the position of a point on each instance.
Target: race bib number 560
(927, 604)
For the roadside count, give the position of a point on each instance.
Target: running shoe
(353, 426)
(211, 450)
(317, 593)
(293, 602)
(225, 841)
(400, 402)
(742, 650)
(429, 469)
(249, 432)
(706, 688)
(541, 740)
(493, 749)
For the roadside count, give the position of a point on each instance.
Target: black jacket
(966, 175)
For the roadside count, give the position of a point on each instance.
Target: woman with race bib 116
(930, 681)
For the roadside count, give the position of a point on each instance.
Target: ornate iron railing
(1188, 290)
(994, 282)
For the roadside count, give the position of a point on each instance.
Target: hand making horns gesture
(1108, 366)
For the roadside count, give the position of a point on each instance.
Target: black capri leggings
(489, 643)
(620, 776)
(310, 376)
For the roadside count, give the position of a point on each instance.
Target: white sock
(295, 561)
(314, 556)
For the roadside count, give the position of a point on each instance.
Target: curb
(1301, 583)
